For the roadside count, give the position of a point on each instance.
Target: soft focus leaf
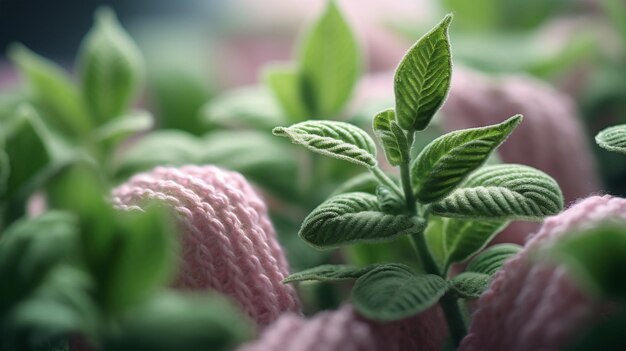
(286, 85)
(111, 67)
(489, 261)
(464, 238)
(435, 239)
(352, 218)
(389, 201)
(470, 284)
(596, 258)
(422, 79)
(364, 182)
(503, 192)
(330, 272)
(329, 63)
(394, 292)
(392, 138)
(613, 138)
(247, 107)
(335, 139)
(53, 90)
(171, 321)
(449, 159)
(115, 130)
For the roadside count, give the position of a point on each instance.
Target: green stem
(383, 178)
(449, 303)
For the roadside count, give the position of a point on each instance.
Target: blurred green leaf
(285, 83)
(53, 90)
(422, 79)
(329, 63)
(613, 139)
(247, 107)
(470, 284)
(172, 322)
(111, 68)
(491, 260)
(364, 182)
(390, 201)
(116, 130)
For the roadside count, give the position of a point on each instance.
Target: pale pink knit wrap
(228, 242)
(345, 330)
(535, 305)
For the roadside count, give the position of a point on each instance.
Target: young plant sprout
(446, 201)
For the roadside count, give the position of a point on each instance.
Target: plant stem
(449, 303)
(383, 178)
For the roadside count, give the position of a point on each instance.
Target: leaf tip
(279, 131)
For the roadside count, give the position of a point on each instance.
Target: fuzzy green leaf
(464, 238)
(285, 83)
(503, 192)
(53, 91)
(389, 201)
(394, 292)
(335, 139)
(489, 261)
(111, 67)
(392, 138)
(449, 159)
(329, 63)
(121, 127)
(422, 79)
(353, 218)
(471, 284)
(613, 138)
(331, 272)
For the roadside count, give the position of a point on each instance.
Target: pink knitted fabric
(228, 242)
(345, 330)
(535, 305)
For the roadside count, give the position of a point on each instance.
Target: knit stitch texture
(228, 243)
(536, 305)
(345, 330)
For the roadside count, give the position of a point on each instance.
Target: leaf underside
(613, 138)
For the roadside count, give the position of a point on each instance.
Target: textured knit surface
(345, 330)
(535, 305)
(228, 242)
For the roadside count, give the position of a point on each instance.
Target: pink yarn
(228, 242)
(535, 305)
(345, 330)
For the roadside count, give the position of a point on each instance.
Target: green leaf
(464, 238)
(52, 89)
(389, 201)
(329, 63)
(449, 159)
(335, 139)
(30, 249)
(392, 138)
(613, 138)
(353, 218)
(116, 130)
(503, 192)
(435, 239)
(364, 182)
(596, 258)
(247, 107)
(285, 83)
(422, 79)
(491, 260)
(180, 322)
(394, 292)
(111, 67)
(331, 272)
(470, 284)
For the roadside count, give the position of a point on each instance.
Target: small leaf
(422, 79)
(285, 83)
(330, 272)
(394, 292)
(329, 63)
(503, 192)
(335, 139)
(389, 201)
(180, 321)
(464, 238)
(117, 129)
(52, 90)
(364, 182)
(352, 218)
(491, 260)
(471, 284)
(111, 67)
(435, 239)
(392, 137)
(449, 159)
(613, 138)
